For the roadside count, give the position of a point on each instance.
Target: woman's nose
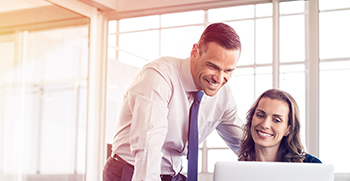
(265, 124)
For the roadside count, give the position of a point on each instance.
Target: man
(152, 132)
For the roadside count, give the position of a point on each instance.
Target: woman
(272, 130)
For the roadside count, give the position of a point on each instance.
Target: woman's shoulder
(311, 159)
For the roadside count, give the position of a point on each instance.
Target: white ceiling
(12, 5)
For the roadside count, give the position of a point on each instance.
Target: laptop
(272, 171)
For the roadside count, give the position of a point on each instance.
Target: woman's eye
(259, 115)
(277, 120)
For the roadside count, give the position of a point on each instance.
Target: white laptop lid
(272, 171)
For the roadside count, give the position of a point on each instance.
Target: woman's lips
(263, 135)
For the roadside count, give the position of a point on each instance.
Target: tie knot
(197, 96)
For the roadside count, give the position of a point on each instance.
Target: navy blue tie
(192, 156)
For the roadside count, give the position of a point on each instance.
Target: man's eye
(211, 66)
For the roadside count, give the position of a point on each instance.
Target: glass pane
(263, 10)
(292, 7)
(20, 131)
(334, 4)
(7, 58)
(184, 18)
(244, 96)
(59, 62)
(139, 23)
(81, 128)
(292, 68)
(178, 42)
(264, 41)
(231, 13)
(119, 77)
(245, 30)
(334, 35)
(214, 156)
(58, 99)
(61, 110)
(214, 140)
(334, 121)
(336, 65)
(185, 163)
(111, 53)
(263, 80)
(292, 38)
(43, 95)
(112, 40)
(132, 60)
(144, 45)
(292, 80)
(112, 26)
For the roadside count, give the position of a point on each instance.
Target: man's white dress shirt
(152, 130)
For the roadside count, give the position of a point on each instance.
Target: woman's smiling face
(270, 123)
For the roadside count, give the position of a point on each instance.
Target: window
(43, 98)
(334, 89)
(258, 68)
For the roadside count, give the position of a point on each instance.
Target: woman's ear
(287, 132)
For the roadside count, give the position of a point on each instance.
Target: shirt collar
(186, 76)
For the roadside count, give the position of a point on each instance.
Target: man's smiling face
(213, 68)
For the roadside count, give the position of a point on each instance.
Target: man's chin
(210, 93)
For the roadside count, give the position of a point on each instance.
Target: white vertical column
(95, 148)
(312, 77)
(276, 44)
(19, 77)
(96, 109)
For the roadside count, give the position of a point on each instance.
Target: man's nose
(219, 78)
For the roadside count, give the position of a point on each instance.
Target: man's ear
(194, 51)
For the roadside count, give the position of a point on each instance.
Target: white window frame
(312, 61)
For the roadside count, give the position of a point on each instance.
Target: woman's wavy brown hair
(291, 148)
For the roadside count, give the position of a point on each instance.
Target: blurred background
(65, 65)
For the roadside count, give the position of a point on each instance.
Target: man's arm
(148, 100)
(230, 129)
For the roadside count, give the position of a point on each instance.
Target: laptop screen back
(272, 171)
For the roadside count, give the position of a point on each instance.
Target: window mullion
(276, 46)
